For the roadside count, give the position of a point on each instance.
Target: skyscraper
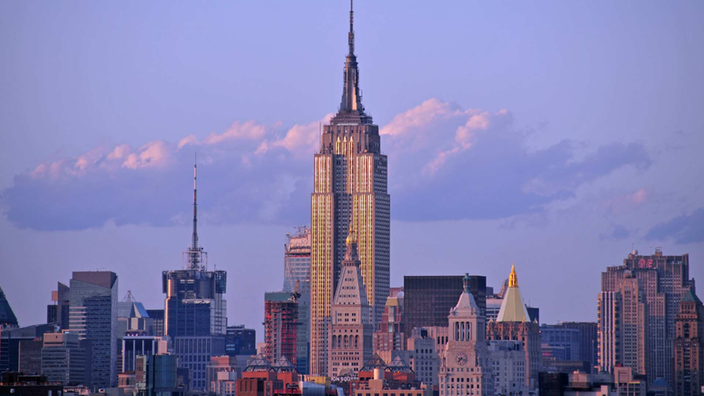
(689, 351)
(466, 367)
(350, 193)
(195, 304)
(351, 326)
(93, 316)
(195, 309)
(513, 323)
(281, 325)
(638, 304)
(297, 280)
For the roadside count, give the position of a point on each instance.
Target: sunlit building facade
(350, 193)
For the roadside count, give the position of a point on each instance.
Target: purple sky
(553, 135)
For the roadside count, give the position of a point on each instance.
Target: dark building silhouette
(10, 344)
(428, 299)
(8, 320)
(240, 341)
(157, 316)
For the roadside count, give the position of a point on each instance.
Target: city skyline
(551, 185)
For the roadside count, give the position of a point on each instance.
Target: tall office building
(350, 193)
(93, 316)
(66, 359)
(689, 346)
(428, 299)
(567, 340)
(513, 323)
(195, 304)
(8, 320)
(467, 367)
(351, 325)
(297, 280)
(281, 325)
(195, 314)
(638, 304)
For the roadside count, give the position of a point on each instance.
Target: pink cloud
(153, 154)
(248, 130)
(624, 203)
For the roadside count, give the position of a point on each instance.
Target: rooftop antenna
(350, 37)
(195, 253)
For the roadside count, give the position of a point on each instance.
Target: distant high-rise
(281, 325)
(297, 262)
(195, 304)
(638, 304)
(588, 340)
(10, 340)
(241, 341)
(689, 346)
(297, 280)
(514, 323)
(351, 325)
(428, 299)
(57, 312)
(350, 193)
(93, 316)
(8, 320)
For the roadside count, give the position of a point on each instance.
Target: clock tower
(466, 366)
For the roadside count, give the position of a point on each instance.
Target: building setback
(350, 193)
(638, 304)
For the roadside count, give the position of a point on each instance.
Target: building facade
(389, 332)
(350, 193)
(194, 353)
(588, 338)
(689, 351)
(93, 316)
(133, 346)
(639, 302)
(508, 362)
(65, 360)
(297, 280)
(351, 325)
(566, 339)
(281, 325)
(466, 367)
(240, 341)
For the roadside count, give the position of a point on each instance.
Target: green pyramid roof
(690, 296)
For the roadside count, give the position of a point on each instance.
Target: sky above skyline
(556, 136)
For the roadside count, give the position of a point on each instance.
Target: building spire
(513, 279)
(350, 36)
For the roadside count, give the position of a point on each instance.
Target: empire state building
(350, 196)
